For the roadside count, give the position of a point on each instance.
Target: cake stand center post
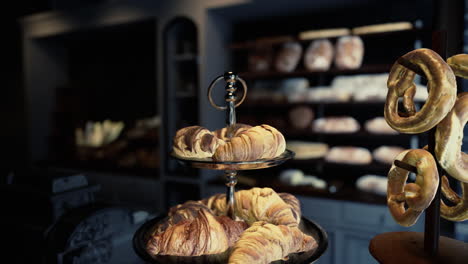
(231, 181)
(231, 79)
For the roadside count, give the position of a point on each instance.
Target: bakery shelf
(415, 32)
(369, 68)
(343, 193)
(249, 104)
(362, 134)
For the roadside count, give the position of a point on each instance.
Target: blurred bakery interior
(96, 90)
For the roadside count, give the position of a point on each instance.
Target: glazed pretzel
(458, 212)
(449, 139)
(418, 195)
(440, 84)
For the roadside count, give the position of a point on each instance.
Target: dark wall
(12, 112)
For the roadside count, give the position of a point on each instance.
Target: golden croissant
(258, 204)
(195, 142)
(263, 243)
(203, 235)
(259, 142)
(188, 210)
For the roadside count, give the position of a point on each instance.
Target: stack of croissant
(237, 143)
(267, 229)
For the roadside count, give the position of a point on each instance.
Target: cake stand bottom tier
(307, 226)
(408, 247)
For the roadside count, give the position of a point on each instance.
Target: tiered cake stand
(428, 247)
(230, 170)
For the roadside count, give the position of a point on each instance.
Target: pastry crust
(449, 139)
(263, 243)
(418, 195)
(441, 86)
(259, 204)
(247, 143)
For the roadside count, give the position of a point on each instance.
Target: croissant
(259, 142)
(263, 243)
(259, 204)
(205, 234)
(236, 130)
(188, 210)
(195, 142)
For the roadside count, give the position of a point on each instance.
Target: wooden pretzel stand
(427, 247)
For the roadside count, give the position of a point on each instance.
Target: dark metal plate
(210, 164)
(307, 226)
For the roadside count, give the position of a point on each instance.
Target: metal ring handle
(244, 85)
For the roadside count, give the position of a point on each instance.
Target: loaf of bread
(288, 57)
(342, 124)
(349, 53)
(349, 155)
(378, 125)
(386, 154)
(300, 117)
(307, 150)
(260, 58)
(319, 55)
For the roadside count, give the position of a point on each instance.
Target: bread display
(378, 125)
(247, 143)
(263, 243)
(208, 234)
(198, 228)
(349, 52)
(441, 86)
(307, 150)
(386, 154)
(342, 124)
(319, 55)
(300, 117)
(349, 155)
(288, 57)
(378, 28)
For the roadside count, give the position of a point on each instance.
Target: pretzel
(418, 195)
(449, 139)
(458, 212)
(459, 65)
(441, 86)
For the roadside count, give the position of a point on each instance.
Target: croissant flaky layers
(246, 143)
(203, 235)
(263, 243)
(260, 204)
